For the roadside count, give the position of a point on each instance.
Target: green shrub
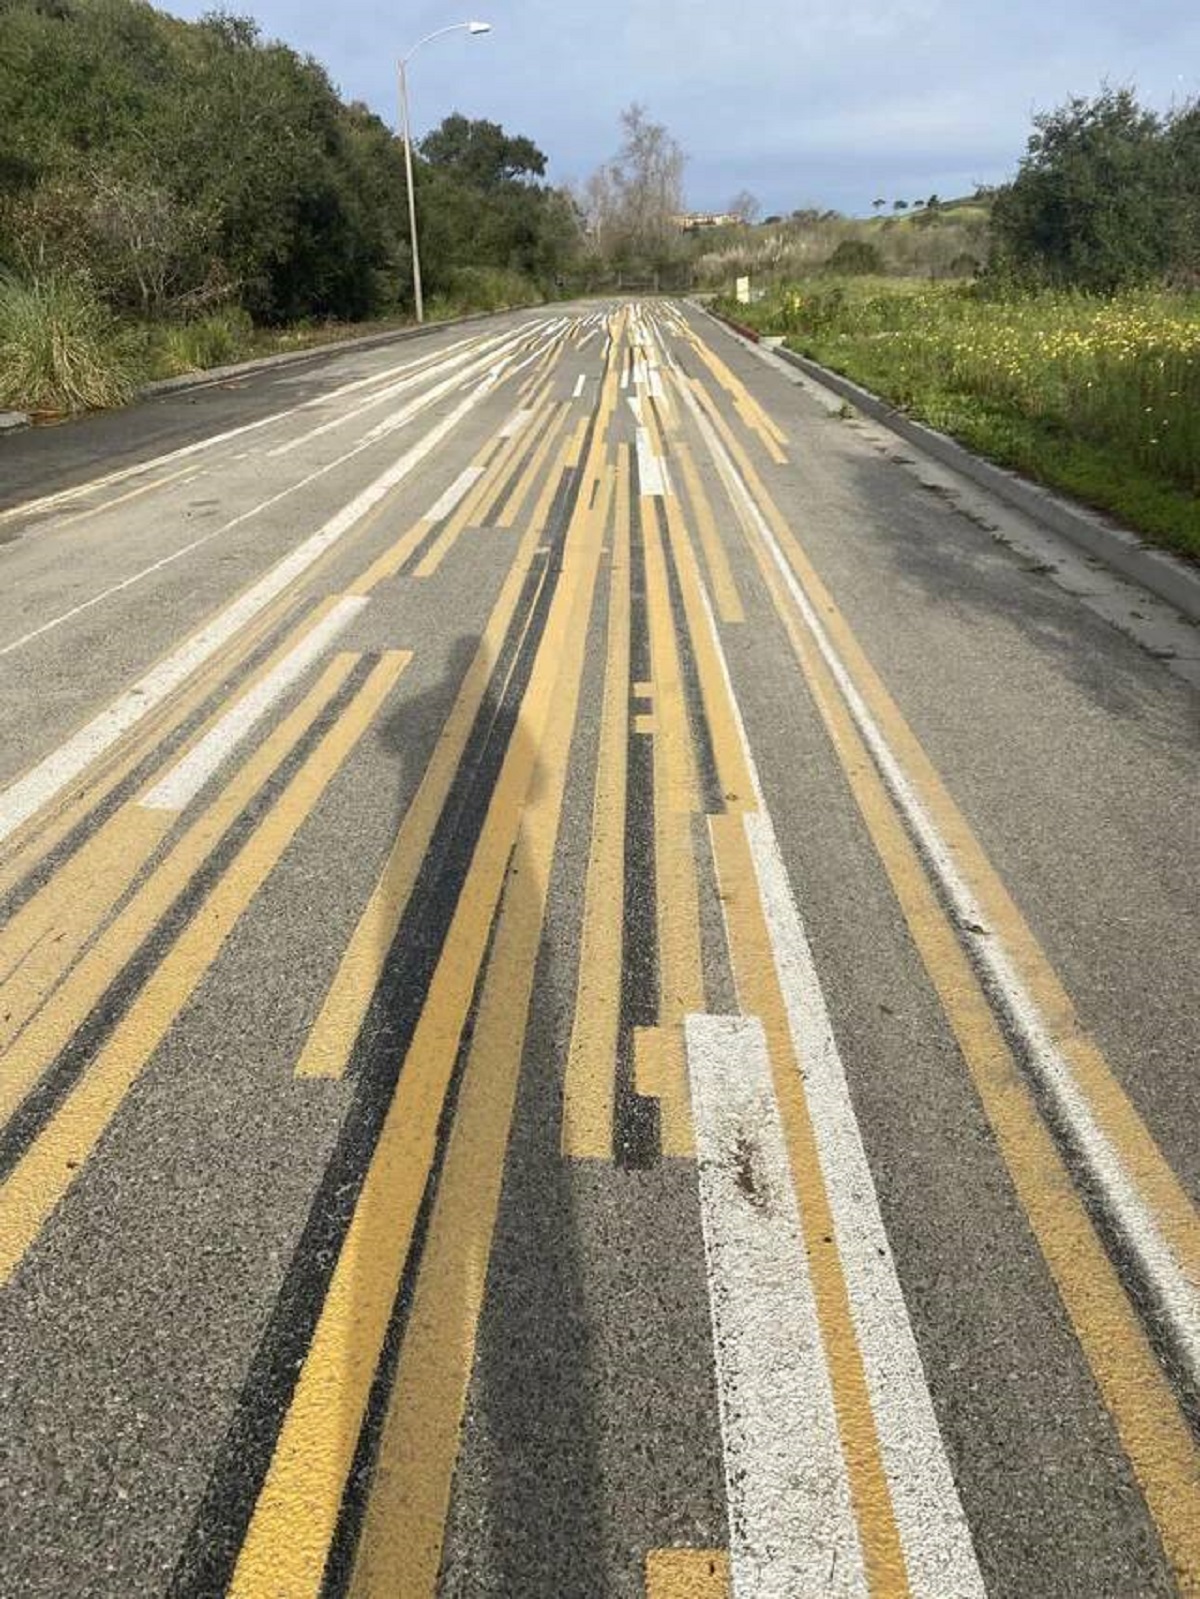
(484, 288)
(62, 349)
(855, 258)
(214, 340)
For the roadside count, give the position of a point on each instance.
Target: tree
(878, 205)
(745, 207)
(481, 154)
(634, 200)
(899, 205)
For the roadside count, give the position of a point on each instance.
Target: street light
(455, 27)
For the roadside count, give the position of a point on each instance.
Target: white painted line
(388, 425)
(465, 481)
(792, 1530)
(580, 383)
(933, 1530)
(652, 469)
(516, 422)
(181, 785)
(1176, 1297)
(49, 777)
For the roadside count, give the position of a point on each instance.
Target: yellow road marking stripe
(589, 1080)
(50, 1030)
(508, 517)
(1139, 1154)
(676, 800)
(759, 995)
(403, 1530)
(287, 1542)
(327, 1049)
(1131, 1382)
(47, 1169)
(750, 413)
(688, 1574)
(725, 589)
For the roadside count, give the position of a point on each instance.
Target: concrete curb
(261, 363)
(10, 421)
(1164, 575)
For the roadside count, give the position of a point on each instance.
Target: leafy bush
(483, 288)
(855, 258)
(62, 349)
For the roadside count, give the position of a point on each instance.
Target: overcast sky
(826, 102)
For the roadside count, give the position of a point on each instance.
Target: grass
(61, 349)
(1099, 398)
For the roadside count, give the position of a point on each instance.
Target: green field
(1098, 397)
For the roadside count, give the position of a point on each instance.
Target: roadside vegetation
(178, 195)
(1073, 355)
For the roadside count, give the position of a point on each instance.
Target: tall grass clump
(62, 349)
(214, 340)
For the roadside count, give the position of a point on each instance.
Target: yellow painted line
(1144, 1162)
(295, 1518)
(688, 1574)
(462, 518)
(590, 1074)
(41, 940)
(725, 589)
(51, 1029)
(511, 512)
(327, 1049)
(38, 945)
(750, 411)
(645, 724)
(131, 494)
(643, 690)
(47, 1169)
(737, 786)
(401, 1543)
(758, 995)
(676, 800)
(1132, 1384)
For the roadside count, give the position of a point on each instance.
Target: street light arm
(453, 27)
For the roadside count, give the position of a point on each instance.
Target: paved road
(598, 997)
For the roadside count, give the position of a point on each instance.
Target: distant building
(695, 221)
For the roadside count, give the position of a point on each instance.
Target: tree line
(179, 166)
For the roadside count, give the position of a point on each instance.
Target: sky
(827, 102)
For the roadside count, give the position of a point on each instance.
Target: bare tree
(633, 201)
(745, 207)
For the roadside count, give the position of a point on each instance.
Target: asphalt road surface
(598, 996)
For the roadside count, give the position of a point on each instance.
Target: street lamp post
(402, 73)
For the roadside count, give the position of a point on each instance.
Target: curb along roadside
(1162, 574)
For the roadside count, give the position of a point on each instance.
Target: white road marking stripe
(48, 501)
(652, 469)
(389, 425)
(580, 381)
(181, 785)
(517, 421)
(465, 480)
(791, 1524)
(1177, 1298)
(933, 1530)
(49, 777)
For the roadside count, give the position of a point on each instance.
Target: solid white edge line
(792, 1529)
(185, 780)
(933, 1530)
(25, 797)
(1177, 1297)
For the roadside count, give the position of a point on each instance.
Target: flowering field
(1100, 397)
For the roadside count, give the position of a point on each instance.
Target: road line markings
(185, 780)
(25, 797)
(48, 1168)
(466, 479)
(1156, 1223)
(580, 383)
(295, 1518)
(792, 1529)
(327, 1049)
(724, 586)
(589, 1080)
(1132, 1385)
(524, 486)
(688, 1574)
(404, 1526)
(653, 479)
(50, 1031)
